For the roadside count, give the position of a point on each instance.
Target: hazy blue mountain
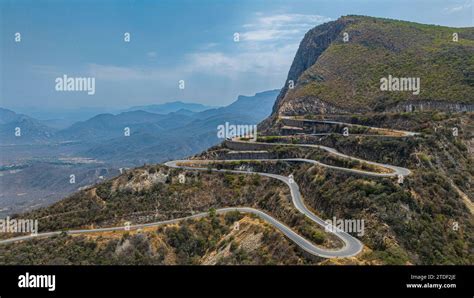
(61, 118)
(31, 129)
(170, 107)
(258, 106)
(7, 116)
(190, 133)
(36, 173)
(185, 112)
(158, 146)
(108, 126)
(153, 137)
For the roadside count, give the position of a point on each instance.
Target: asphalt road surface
(352, 246)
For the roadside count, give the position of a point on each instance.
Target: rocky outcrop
(314, 43)
(330, 75)
(238, 155)
(412, 106)
(247, 146)
(308, 105)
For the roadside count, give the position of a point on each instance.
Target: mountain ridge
(170, 107)
(326, 69)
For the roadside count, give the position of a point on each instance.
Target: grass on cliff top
(348, 74)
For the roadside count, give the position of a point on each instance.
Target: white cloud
(46, 69)
(273, 62)
(268, 62)
(123, 73)
(152, 54)
(102, 72)
(209, 45)
(266, 50)
(270, 34)
(280, 26)
(460, 7)
(279, 20)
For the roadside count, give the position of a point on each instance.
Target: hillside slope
(334, 76)
(22, 129)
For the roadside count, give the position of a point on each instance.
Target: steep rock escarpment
(332, 75)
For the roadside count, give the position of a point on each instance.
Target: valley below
(36, 171)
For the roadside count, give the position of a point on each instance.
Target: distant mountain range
(35, 167)
(172, 130)
(20, 129)
(156, 138)
(58, 118)
(171, 107)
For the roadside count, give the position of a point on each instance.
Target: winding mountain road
(402, 133)
(352, 246)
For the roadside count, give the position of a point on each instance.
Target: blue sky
(190, 40)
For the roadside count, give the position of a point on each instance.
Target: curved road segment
(352, 246)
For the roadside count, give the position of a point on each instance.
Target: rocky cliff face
(332, 75)
(411, 106)
(314, 43)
